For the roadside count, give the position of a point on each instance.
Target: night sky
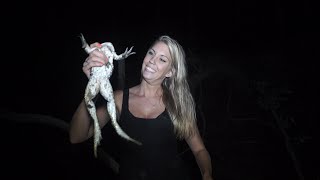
(245, 41)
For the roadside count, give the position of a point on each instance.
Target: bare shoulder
(118, 96)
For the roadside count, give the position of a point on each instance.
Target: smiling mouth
(150, 69)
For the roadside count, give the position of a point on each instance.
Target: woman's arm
(201, 155)
(81, 127)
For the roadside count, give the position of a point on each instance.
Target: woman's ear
(170, 73)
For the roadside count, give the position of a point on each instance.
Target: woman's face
(156, 65)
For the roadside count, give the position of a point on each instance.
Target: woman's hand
(95, 59)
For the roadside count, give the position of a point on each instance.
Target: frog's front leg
(85, 45)
(124, 55)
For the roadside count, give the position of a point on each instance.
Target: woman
(156, 112)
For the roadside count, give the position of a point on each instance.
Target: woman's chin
(148, 75)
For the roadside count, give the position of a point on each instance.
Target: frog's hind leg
(107, 93)
(91, 92)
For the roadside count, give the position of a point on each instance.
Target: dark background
(253, 72)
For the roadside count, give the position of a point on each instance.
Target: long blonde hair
(177, 97)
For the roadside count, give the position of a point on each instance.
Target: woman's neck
(149, 90)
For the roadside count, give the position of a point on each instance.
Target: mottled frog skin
(99, 83)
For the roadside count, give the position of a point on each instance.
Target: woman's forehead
(161, 47)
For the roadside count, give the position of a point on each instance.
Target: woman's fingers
(98, 53)
(96, 58)
(96, 44)
(91, 61)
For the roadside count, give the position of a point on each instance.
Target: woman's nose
(152, 60)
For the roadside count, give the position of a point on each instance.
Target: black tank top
(156, 158)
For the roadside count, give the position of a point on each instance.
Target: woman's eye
(150, 52)
(163, 60)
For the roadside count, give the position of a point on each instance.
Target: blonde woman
(157, 112)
